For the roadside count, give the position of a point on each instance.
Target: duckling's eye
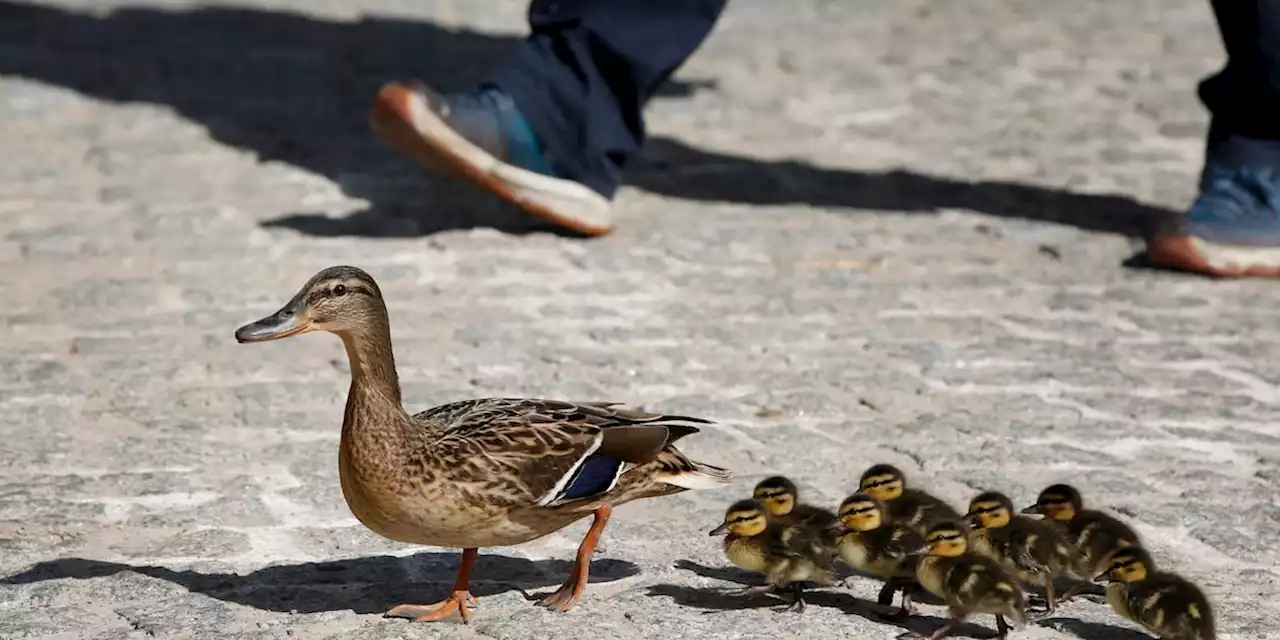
(339, 290)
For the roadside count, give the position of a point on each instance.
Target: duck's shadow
(361, 585)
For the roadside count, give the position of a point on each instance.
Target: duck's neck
(373, 366)
(373, 402)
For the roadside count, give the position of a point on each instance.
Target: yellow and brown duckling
(870, 543)
(914, 507)
(477, 473)
(781, 498)
(1094, 535)
(786, 554)
(1033, 550)
(967, 582)
(1165, 604)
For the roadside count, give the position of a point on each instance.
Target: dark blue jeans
(1244, 98)
(584, 74)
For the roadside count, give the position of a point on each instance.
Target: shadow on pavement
(296, 89)
(1092, 630)
(362, 585)
(713, 600)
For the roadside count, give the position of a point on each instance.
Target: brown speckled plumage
(475, 473)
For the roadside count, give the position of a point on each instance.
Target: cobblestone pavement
(864, 231)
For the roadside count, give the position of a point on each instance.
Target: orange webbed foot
(456, 602)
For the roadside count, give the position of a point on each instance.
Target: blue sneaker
(482, 137)
(1233, 227)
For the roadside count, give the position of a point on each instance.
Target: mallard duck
(781, 498)
(477, 473)
(787, 554)
(1165, 604)
(917, 508)
(869, 543)
(968, 583)
(1093, 535)
(1033, 550)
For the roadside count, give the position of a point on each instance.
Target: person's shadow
(296, 89)
(362, 585)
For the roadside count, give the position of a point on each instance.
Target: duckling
(968, 583)
(484, 472)
(781, 498)
(1093, 535)
(871, 544)
(1165, 604)
(786, 554)
(1033, 550)
(917, 508)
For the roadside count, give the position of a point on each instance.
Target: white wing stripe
(560, 485)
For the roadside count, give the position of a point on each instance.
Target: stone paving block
(860, 232)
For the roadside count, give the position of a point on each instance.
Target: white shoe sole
(1198, 255)
(402, 118)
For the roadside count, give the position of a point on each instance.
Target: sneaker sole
(1197, 255)
(400, 118)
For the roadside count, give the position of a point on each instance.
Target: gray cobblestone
(861, 232)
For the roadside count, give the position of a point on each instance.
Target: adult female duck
(477, 473)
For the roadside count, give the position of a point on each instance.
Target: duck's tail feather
(696, 475)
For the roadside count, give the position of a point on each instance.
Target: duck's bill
(720, 530)
(1035, 508)
(281, 324)
(1102, 577)
(972, 522)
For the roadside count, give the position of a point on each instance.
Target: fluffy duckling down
(1094, 535)
(1165, 604)
(1033, 550)
(914, 507)
(967, 582)
(869, 543)
(785, 554)
(781, 498)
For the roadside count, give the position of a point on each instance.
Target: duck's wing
(523, 451)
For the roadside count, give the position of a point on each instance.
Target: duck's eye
(339, 290)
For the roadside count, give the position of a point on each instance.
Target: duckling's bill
(288, 321)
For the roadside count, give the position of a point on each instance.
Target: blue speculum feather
(593, 477)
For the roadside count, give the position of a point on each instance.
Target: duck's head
(945, 539)
(337, 299)
(745, 518)
(777, 494)
(1059, 502)
(884, 482)
(1130, 564)
(861, 512)
(990, 510)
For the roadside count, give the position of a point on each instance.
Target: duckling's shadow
(1091, 630)
(727, 574)
(723, 600)
(361, 585)
(713, 600)
(734, 574)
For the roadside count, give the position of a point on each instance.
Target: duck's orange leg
(457, 601)
(576, 583)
